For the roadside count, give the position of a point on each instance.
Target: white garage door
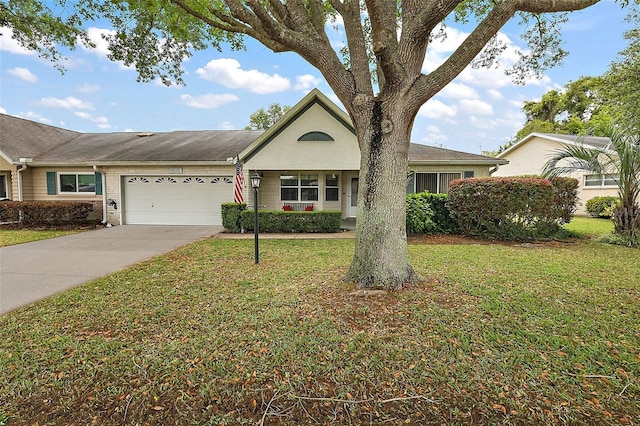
(175, 200)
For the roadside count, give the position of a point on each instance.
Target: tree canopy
(263, 119)
(591, 105)
(377, 70)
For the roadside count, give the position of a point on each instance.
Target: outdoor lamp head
(255, 181)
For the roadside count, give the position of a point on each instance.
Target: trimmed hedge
(602, 206)
(512, 208)
(46, 214)
(427, 213)
(292, 221)
(231, 213)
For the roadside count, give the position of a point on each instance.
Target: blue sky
(479, 110)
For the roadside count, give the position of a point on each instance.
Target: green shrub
(427, 213)
(292, 221)
(601, 206)
(231, 213)
(46, 214)
(419, 215)
(565, 198)
(511, 208)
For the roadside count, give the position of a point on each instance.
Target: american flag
(238, 194)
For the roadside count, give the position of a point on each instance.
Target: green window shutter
(98, 183)
(411, 186)
(51, 183)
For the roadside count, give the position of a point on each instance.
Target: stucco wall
(285, 152)
(529, 159)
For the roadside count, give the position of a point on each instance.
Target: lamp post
(255, 183)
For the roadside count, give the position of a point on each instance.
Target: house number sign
(175, 170)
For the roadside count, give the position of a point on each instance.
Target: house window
(3, 187)
(468, 174)
(600, 181)
(77, 183)
(299, 187)
(436, 183)
(331, 189)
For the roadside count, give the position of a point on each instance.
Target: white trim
(547, 137)
(76, 192)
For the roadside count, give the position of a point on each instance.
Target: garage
(175, 200)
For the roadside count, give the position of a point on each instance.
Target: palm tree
(621, 160)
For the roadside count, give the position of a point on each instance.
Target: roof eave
(125, 163)
(497, 161)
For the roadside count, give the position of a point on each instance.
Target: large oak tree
(378, 74)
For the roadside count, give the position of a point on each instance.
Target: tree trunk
(381, 259)
(627, 221)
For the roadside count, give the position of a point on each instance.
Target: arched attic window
(315, 137)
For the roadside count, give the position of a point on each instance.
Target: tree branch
(547, 6)
(418, 23)
(384, 27)
(428, 85)
(357, 45)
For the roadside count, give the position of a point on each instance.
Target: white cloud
(3, 111)
(441, 48)
(23, 74)
(96, 36)
(510, 121)
(8, 44)
(434, 136)
(306, 82)
(102, 122)
(34, 116)
(101, 49)
(226, 125)
(436, 109)
(88, 88)
(227, 72)
(208, 101)
(67, 103)
(494, 94)
(475, 106)
(458, 91)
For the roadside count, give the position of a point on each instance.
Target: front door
(352, 208)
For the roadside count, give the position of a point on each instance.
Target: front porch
(306, 190)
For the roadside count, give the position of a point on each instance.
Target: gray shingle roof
(432, 154)
(206, 146)
(597, 141)
(20, 138)
(48, 144)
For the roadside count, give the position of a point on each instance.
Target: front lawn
(589, 227)
(10, 237)
(498, 334)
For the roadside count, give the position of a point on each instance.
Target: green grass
(589, 227)
(498, 334)
(10, 237)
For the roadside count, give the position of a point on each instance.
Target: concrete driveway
(33, 271)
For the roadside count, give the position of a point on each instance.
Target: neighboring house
(529, 155)
(309, 157)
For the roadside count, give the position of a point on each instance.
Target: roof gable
(314, 137)
(592, 141)
(313, 98)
